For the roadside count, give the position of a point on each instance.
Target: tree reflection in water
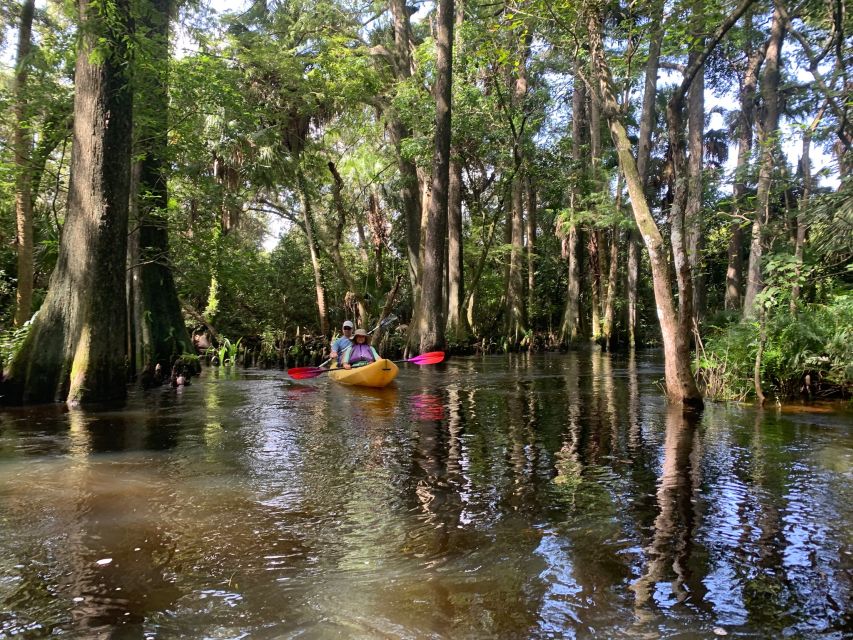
(667, 554)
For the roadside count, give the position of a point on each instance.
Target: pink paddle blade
(431, 357)
(301, 373)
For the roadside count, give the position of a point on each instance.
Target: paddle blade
(431, 357)
(301, 373)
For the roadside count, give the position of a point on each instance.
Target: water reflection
(525, 496)
(666, 556)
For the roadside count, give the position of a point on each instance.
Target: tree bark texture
(314, 251)
(531, 204)
(767, 144)
(607, 329)
(335, 245)
(410, 190)
(802, 225)
(455, 272)
(746, 119)
(693, 208)
(431, 315)
(516, 308)
(76, 348)
(23, 141)
(595, 241)
(456, 327)
(158, 321)
(569, 330)
(644, 151)
(680, 384)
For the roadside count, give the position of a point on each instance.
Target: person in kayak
(360, 353)
(343, 343)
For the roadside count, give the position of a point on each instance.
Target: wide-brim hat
(359, 332)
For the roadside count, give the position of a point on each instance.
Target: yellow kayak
(375, 374)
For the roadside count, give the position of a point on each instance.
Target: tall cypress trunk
(516, 309)
(157, 319)
(607, 333)
(23, 141)
(678, 218)
(802, 227)
(515, 312)
(455, 249)
(335, 244)
(531, 247)
(767, 142)
(455, 272)
(431, 315)
(595, 244)
(313, 250)
(607, 329)
(734, 271)
(644, 150)
(571, 314)
(410, 186)
(377, 232)
(680, 384)
(693, 208)
(76, 348)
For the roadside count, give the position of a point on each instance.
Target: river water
(505, 497)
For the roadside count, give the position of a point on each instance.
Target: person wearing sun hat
(343, 343)
(360, 353)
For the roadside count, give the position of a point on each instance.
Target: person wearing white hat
(360, 353)
(343, 343)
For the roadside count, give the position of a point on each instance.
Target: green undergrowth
(806, 354)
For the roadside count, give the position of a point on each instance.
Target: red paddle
(302, 373)
(430, 357)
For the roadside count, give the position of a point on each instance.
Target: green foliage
(10, 341)
(226, 353)
(816, 341)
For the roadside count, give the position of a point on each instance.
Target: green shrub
(816, 342)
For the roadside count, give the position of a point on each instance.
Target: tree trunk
(644, 150)
(23, 141)
(455, 269)
(516, 323)
(157, 318)
(680, 384)
(633, 272)
(594, 280)
(693, 209)
(455, 250)
(335, 244)
(802, 227)
(431, 315)
(734, 271)
(767, 142)
(516, 310)
(378, 234)
(596, 259)
(76, 348)
(531, 248)
(569, 330)
(319, 285)
(607, 333)
(409, 190)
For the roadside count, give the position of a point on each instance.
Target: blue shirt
(340, 345)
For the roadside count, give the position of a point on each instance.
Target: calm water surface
(522, 497)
